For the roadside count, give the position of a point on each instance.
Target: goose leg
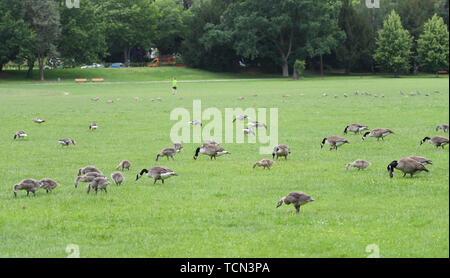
(162, 181)
(155, 181)
(404, 174)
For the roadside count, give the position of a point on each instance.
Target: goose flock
(98, 181)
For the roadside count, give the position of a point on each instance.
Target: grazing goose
(86, 178)
(249, 130)
(334, 142)
(38, 120)
(195, 122)
(324, 94)
(20, 134)
(356, 93)
(378, 133)
(444, 127)
(117, 177)
(48, 184)
(66, 142)
(98, 183)
(109, 101)
(30, 185)
(95, 99)
(406, 165)
(421, 160)
(124, 164)
(256, 124)
(240, 117)
(88, 169)
(167, 152)
(281, 150)
(241, 98)
(157, 173)
(356, 128)
(177, 146)
(286, 95)
(136, 98)
(93, 126)
(211, 150)
(438, 141)
(296, 198)
(345, 95)
(359, 163)
(265, 163)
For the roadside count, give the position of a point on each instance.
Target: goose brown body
(407, 166)
(281, 151)
(30, 185)
(157, 173)
(296, 198)
(265, 163)
(334, 142)
(378, 133)
(48, 184)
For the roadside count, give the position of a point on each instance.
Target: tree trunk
(285, 68)
(1, 67)
(321, 65)
(125, 55)
(30, 68)
(41, 66)
(295, 75)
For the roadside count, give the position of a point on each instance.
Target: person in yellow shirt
(174, 86)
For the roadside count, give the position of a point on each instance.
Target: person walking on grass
(174, 86)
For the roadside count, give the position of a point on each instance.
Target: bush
(299, 68)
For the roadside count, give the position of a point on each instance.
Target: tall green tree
(13, 31)
(44, 19)
(129, 23)
(394, 44)
(356, 51)
(170, 26)
(82, 34)
(432, 46)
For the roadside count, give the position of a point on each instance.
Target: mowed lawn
(224, 208)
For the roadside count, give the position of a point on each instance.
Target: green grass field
(224, 208)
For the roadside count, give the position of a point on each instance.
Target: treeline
(400, 36)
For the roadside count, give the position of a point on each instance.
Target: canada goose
(30, 185)
(88, 177)
(98, 183)
(436, 91)
(378, 133)
(159, 99)
(265, 163)
(427, 94)
(157, 173)
(241, 98)
(93, 126)
(118, 100)
(20, 134)
(211, 150)
(437, 141)
(177, 146)
(296, 198)
(421, 160)
(254, 95)
(334, 142)
(124, 164)
(240, 117)
(109, 101)
(152, 100)
(401, 93)
(356, 128)
(167, 152)
(136, 98)
(345, 95)
(412, 94)
(249, 130)
(382, 96)
(359, 163)
(66, 93)
(356, 93)
(418, 93)
(281, 150)
(286, 95)
(95, 99)
(406, 165)
(375, 95)
(117, 177)
(444, 127)
(195, 122)
(88, 169)
(302, 95)
(66, 142)
(256, 124)
(324, 94)
(38, 120)
(48, 184)
(335, 96)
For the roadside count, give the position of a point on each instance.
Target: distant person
(174, 86)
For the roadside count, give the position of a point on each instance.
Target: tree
(82, 34)
(356, 51)
(394, 44)
(324, 33)
(432, 46)
(13, 31)
(43, 18)
(299, 68)
(170, 26)
(129, 23)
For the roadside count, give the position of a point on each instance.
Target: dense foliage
(226, 35)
